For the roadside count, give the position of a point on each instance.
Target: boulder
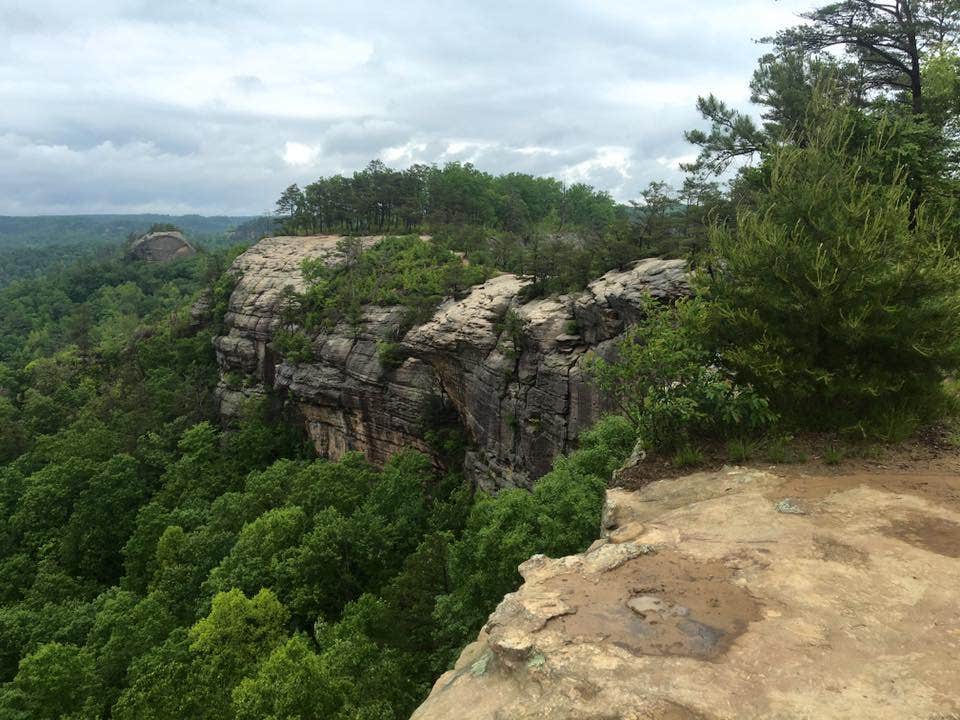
(162, 246)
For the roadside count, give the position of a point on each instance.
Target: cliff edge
(509, 372)
(735, 594)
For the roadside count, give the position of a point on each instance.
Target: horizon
(103, 119)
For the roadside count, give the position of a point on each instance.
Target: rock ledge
(703, 601)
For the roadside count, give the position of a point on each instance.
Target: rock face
(510, 372)
(733, 595)
(161, 246)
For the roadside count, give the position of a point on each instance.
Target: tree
(291, 683)
(657, 216)
(832, 297)
(56, 681)
(291, 207)
(782, 85)
(888, 38)
(666, 381)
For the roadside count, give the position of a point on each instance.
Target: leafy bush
(668, 384)
(390, 354)
(407, 271)
(833, 297)
(293, 344)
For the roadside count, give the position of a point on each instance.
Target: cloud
(216, 107)
(295, 153)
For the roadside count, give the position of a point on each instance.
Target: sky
(213, 107)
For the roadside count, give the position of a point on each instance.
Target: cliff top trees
(889, 39)
(832, 296)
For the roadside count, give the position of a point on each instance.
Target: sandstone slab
(733, 609)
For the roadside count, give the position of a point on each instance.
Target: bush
(390, 354)
(294, 345)
(668, 384)
(416, 274)
(833, 297)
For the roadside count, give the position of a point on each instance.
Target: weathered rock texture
(512, 372)
(161, 246)
(711, 597)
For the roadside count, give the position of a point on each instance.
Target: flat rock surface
(704, 599)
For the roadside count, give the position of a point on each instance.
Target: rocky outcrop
(161, 246)
(733, 595)
(511, 372)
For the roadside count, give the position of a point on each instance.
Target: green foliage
(379, 199)
(559, 237)
(666, 381)
(293, 344)
(687, 456)
(52, 682)
(780, 449)
(740, 450)
(291, 683)
(833, 455)
(390, 355)
(408, 271)
(560, 517)
(832, 298)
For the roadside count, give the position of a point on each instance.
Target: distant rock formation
(161, 246)
(517, 388)
(733, 595)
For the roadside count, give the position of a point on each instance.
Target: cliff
(509, 372)
(161, 246)
(733, 595)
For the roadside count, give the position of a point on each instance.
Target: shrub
(833, 455)
(390, 354)
(741, 450)
(687, 456)
(667, 384)
(408, 271)
(293, 345)
(779, 449)
(833, 297)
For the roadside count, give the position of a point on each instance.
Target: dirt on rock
(657, 604)
(736, 594)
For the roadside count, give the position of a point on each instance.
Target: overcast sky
(214, 107)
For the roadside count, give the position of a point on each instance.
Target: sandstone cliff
(733, 595)
(516, 384)
(161, 246)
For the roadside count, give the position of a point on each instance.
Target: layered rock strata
(511, 372)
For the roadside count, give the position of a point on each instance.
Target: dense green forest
(154, 564)
(563, 236)
(32, 246)
(43, 230)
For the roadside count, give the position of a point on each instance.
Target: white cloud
(217, 107)
(295, 153)
(616, 159)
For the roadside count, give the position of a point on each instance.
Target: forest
(156, 564)
(31, 246)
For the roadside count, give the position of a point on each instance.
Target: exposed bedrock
(511, 371)
(733, 595)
